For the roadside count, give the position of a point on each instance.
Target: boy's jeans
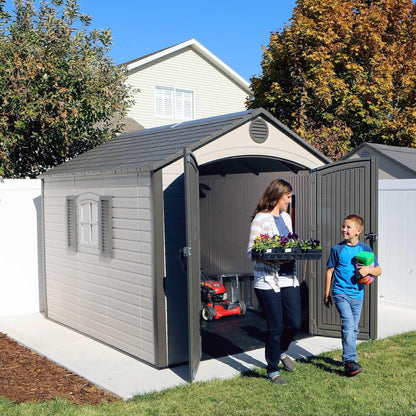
(350, 312)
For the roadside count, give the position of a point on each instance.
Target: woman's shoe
(278, 380)
(287, 363)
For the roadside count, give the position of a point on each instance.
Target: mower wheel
(208, 313)
(243, 308)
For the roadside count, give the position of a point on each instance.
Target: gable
(214, 88)
(394, 162)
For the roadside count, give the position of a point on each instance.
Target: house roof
(403, 156)
(152, 149)
(193, 44)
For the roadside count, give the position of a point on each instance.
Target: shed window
(174, 103)
(89, 224)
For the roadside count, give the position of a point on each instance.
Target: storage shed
(118, 219)
(394, 162)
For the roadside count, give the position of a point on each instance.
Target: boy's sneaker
(352, 368)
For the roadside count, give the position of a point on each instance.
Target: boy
(347, 292)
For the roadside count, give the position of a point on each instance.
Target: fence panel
(20, 247)
(397, 241)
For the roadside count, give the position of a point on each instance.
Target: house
(183, 82)
(124, 220)
(394, 162)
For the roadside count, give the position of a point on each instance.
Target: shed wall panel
(107, 299)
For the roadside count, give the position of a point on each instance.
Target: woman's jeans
(350, 312)
(283, 316)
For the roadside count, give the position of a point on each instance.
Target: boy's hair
(359, 222)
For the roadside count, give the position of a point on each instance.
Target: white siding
(214, 92)
(397, 241)
(108, 299)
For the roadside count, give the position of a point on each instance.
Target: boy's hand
(364, 270)
(327, 301)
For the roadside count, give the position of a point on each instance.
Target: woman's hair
(271, 196)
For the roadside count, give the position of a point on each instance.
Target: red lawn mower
(214, 303)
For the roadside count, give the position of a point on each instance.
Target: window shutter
(184, 104)
(164, 101)
(188, 103)
(105, 226)
(71, 223)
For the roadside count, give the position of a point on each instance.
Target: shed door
(192, 255)
(339, 189)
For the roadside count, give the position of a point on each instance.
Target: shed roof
(404, 156)
(152, 149)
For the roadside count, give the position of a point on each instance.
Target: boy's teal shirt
(342, 259)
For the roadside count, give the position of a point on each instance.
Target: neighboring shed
(118, 217)
(394, 162)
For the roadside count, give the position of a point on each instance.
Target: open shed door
(339, 189)
(193, 259)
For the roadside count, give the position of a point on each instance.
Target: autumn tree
(343, 72)
(59, 90)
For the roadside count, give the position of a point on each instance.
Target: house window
(174, 103)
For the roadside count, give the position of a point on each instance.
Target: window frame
(102, 205)
(176, 102)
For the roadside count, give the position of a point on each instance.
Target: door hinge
(187, 251)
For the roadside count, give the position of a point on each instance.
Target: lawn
(387, 386)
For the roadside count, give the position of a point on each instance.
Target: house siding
(108, 299)
(214, 92)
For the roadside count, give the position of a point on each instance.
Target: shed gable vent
(366, 153)
(259, 131)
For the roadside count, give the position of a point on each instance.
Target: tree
(59, 90)
(343, 72)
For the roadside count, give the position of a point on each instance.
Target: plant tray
(287, 255)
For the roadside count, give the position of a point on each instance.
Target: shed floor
(233, 334)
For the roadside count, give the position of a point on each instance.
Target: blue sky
(233, 30)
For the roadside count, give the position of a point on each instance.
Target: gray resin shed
(118, 218)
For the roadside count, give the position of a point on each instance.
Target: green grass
(317, 387)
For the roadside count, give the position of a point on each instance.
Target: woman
(275, 282)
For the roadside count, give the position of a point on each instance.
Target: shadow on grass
(254, 374)
(326, 364)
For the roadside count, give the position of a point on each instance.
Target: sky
(233, 30)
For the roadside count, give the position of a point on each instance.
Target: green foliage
(58, 87)
(343, 72)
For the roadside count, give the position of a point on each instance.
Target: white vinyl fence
(397, 241)
(20, 247)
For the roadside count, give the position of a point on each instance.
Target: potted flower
(290, 243)
(279, 247)
(310, 246)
